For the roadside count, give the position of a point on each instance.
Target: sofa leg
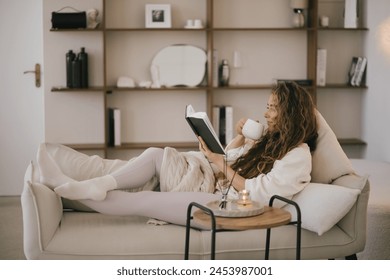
(351, 257)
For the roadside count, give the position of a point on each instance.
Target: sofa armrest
(354, 222)
(42, 213)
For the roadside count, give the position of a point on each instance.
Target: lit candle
(244, 197)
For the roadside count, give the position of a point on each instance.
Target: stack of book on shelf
(357, 71)
(114, 127)
(351, 13)
(301, 82)
(321, 67)
(223, 123)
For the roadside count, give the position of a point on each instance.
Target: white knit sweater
(288, 176)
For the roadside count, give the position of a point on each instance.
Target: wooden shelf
(114, 88)
(76, 30)
(351, 141)
(261, 29)
(66, 89)
(344, 86)
(342, 29)
(134, 146)
(244, 87)
(248, 87)
(111, 89)
(178, 145)
(144, 145)
(86, 146)
(127, 29)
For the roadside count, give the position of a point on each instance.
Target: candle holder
(224, 185)
(225, 207)
(244, 198)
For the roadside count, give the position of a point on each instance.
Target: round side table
(270, 218)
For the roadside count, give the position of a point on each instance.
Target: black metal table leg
(188, 227)
(267, 241)
(298, 222)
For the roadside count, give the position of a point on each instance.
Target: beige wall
(376, 112)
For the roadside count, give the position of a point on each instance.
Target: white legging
(166, 206)
(136, 173)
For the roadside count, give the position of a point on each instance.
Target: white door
(21, 105)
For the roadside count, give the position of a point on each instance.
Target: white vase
(298, 19)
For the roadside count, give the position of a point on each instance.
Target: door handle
(37, 72)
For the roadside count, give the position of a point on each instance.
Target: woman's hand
(240, 125)
(239, 140)
(212, 157)
(219, 161)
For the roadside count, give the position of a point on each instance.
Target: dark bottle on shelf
(76, 73)
(70, 56)
(83, 57)
(224, 73)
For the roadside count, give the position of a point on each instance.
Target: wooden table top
(271, 217)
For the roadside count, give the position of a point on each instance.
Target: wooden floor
(11, 229)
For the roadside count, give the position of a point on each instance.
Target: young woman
(277, 163)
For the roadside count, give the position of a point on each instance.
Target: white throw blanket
(186, 172)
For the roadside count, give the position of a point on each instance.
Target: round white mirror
(179, 65)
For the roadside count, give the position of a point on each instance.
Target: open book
(201, 125)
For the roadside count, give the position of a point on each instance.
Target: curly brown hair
(295, 124)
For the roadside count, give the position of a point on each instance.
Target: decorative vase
(298, 19)
(298, 7)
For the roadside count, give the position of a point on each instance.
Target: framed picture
(158, 16)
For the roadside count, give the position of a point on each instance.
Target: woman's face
(272, 112)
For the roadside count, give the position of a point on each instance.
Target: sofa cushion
(80, 166)
(32, 173)
(353, 181)
(323, 205)
(329, 160)
(39, 223)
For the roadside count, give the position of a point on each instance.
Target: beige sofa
(333, 206)
(378, 209)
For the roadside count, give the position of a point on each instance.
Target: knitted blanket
(186, 172)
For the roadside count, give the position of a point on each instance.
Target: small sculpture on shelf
(92, 18)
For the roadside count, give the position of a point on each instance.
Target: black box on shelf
(73, 20)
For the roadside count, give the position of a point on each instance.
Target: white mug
(190, 23)
(198, 23)
(324, 21)
(252, 129)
